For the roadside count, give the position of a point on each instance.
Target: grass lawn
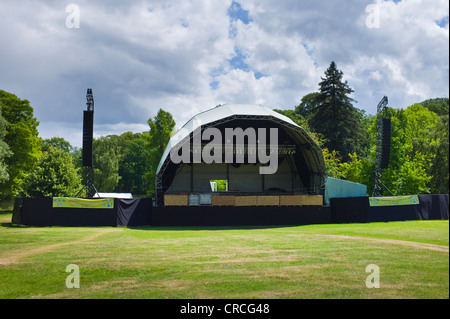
(314, 261)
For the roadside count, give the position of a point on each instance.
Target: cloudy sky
(187, 56)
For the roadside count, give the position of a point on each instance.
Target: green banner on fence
(60, 202)
(394, 200)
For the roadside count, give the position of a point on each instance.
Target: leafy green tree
(439, 168)
(57, 142)
(408, 171)
(336, 118)
(294, 116)
(22, 139)
(411, 177)
(308, 106)
(332, 163)
(359, 171)
(438, 105)
(331, 158)
(54, 176)
(77, 157)
(161, 127)
(132, 164)
(106, 163)
(366, 121)
(4, 151)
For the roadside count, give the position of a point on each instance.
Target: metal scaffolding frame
(381, 114)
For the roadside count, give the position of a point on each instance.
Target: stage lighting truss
(245, 149)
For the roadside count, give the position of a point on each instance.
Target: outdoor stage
(140, 212)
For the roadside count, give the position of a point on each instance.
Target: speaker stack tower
(88, 137)
(385, 142)
(88, 131)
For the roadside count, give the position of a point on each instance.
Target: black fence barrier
(358, 210)
(134, 212)
(349, 210)
(33, 211)
(39, 211)
(433, 206)
(240, 216)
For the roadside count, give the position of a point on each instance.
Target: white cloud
(242, 87)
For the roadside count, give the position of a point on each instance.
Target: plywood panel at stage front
(246, 200)
(301, 200)
(268, 200)
(222, 200)
(176, 200)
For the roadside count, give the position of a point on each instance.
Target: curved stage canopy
(301, 166)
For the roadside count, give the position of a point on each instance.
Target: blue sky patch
(238, 61)
(214, 85)
(443, 22)
(236, 12)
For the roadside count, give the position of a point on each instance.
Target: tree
(366, 121)
(106, 163)
(293, 115)
(21, 136)
(410, 155)
(438, 105)
(161, 127)
(4, 151)
(132, 163)
(308, 105)
(359, 171)
(332, 163)
(336, 118)
(439, 168)
(331, 158)
(57, 142)
(54, 176)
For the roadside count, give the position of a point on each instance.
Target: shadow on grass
(158, 228)
(11, 225)
(212, 228)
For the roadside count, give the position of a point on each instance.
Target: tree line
(32, 166)
(419, 138)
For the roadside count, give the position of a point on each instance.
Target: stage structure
(383, 146)
(88, 132)
(299, 178)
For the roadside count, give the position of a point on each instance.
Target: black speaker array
(386, 142)
(88, 131)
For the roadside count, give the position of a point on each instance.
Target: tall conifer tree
(335, 118)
